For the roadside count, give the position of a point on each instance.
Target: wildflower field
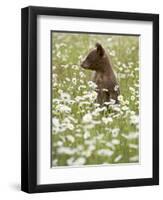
(83, 132)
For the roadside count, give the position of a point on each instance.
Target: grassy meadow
(83, 132)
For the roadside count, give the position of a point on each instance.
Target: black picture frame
(29, 99)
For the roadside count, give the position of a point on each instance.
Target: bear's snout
(84, 64)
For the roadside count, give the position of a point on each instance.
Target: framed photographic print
(90, 99)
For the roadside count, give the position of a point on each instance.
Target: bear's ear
(100, 49)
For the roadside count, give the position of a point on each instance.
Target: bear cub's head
(95, 59)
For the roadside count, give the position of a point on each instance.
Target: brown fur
(104, 76)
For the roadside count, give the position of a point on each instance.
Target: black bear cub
(104, 77)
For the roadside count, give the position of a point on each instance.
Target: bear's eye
(90, 58)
